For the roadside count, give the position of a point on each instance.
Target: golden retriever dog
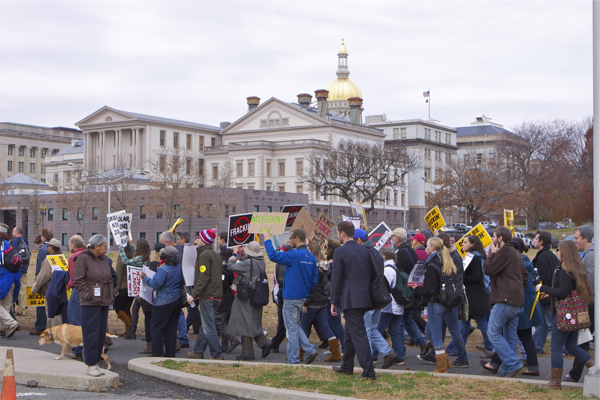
(68, 336)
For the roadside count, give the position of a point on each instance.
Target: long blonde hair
(448, 266)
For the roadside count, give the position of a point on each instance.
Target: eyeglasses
(557, 250)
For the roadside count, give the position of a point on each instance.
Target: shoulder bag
(572, 313)
(380, 288)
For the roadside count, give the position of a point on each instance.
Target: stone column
(102, 152)
(134, 132)
(118, 147)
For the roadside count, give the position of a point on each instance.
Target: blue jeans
(208, 336)
(395, 325)
(436, 315)
(295, 336)
(335, 323)
(74, 315)
(377, 342)
(320, 316)
(502, 332)
(413, 330)
(541, 332)
(465, 327)
(562, 339)
(182, 330)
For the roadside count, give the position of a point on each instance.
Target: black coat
(351, 277)
(545, 262)
(479, 302)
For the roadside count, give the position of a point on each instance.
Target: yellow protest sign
(35, 299)
(434, 219)
(478, 231)
(58, 260)
(274, 223)
(509, 220)
(179, 221)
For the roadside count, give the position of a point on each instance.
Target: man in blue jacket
(9, 283)
(301, 275)
(17, 234)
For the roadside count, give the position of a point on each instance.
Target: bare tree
(75, 195)
(32, 202)
(125, 193)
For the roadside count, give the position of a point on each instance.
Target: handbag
(260, 296)
(244, 289)
(572, 313)
(380, 287)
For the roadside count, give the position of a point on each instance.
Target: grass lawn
(419, 385)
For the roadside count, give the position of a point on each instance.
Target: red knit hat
(208, 236)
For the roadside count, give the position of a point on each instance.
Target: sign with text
(292, 212)
(417, 275)
(478, 231)
(273, 223)
(58, 261)
(509, 220)
(355, 221)
(146, 292)
(120, 227)
(238, 230)
(134, 281)
(35, 299)
(323, 228)
(305, 222)
(380, 236)
(434, 219)
(359, 211)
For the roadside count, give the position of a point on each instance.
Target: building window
(395, 197)
(282, 187)
(240, 169)
(438, 136)
(142, 212)
(43, 169)
(282, 168)
(215, 173)
(10, 149)
(299, 188)
(159, 215)
(251, 169)
(268, 171)
(142, 235)
(65, 214)
(427, 134)
(51, 214)
(79, 214)
(479, 158)
(396, 133)
(448, 155)
(427, 174)
(32, 152)
(9, 166)
(201, 143)
(43, 180)
(448, 138)
(21, 166)
(213, 142)
(492, 155)
(158, 237)
(402, 133)
(163, 135)
(177, 210)
(438, 156)
(188, 142)
(68, 173)
(161, 163)
(43, 153)
(438, 174)
(402, 199)
(269, 209)
(175, 140)
(466, 157)
(55, 151)
(65, 239)
(256, 209)
(299, 168)
(188, 166)
(21, 151)
(94, 213)
(200, 167)
(428, 154)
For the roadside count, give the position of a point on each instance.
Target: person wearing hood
(506, 267)
(93, 280)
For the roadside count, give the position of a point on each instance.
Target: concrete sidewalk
(62, 374)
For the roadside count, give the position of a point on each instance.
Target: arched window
(108, 119)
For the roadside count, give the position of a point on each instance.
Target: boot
(334, 346)
(131, 334)
(448, 362)
(123, 317)
(147, 349)
(556, 376)
(301, 354)
(177, 346)
(590, 363)
(442, 363)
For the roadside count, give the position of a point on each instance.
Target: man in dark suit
(350, 288)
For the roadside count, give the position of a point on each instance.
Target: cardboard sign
(304, 221)
(323, 228)
(417, 276)
(479, 231)
(238, 231)
(146, 292)
(274, 223)
(188, 264)
(58, 261)
(509, 220)
(359, 211)
(120, 226)
(434, 219)
(134, 281)
(35, 299)
(292, 213)
(380, 236)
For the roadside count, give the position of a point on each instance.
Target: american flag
(426, 94)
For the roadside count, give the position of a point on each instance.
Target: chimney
(304, 99)
(224, 124)
(253, 102)
(322, 109)
(355, 104)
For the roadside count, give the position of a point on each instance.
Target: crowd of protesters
(312, 286)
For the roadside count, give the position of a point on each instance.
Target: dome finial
(342, 49)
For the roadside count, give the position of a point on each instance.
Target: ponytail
(449, 267)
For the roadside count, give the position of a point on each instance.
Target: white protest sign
(188, 264)
(113, 223)
(134, 281)
(146, 292)
(417, 276)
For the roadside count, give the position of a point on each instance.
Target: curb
(249, 391)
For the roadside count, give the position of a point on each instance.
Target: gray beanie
(586, 232)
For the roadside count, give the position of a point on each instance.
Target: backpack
(23, 250)
(379, 288)
(260, 296)
(454, 288)
(10, 258)
(401, 293)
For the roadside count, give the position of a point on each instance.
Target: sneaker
(399, 361)
(102, 371)
(312, 357)
(191, 354)
(266, 350)
(486, 354)
(324, 345)
(35, 332)
(233, 343)
(326, 353)
(2, 334)
(11, 332)
(389, 359)
(185, 346)
(427, 358)
(426, 348)
(93, 370)
(515, 373)
(221, 357)
(460, 364)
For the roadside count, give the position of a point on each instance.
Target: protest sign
(323, 228)
(146, 292)
(417, 276)
(434, 219)
(120, 226)
(359, 211)
(238, 230)
(479, 231)
(35, 299)
(273, 223)
(134, 281)
(58, 261)
(305, 222)
(175, 225)
(292, 213)
(380, 236)
(188, 264)
(509, 220)
(355, 221)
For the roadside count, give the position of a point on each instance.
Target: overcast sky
(198, 61)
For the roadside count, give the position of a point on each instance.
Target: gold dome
(342, 49)
(343, 89)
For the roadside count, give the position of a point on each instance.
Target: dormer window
(274, 120)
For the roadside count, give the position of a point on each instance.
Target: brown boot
(123, 317)
(442, 363)
(147, 349)
(590, 363)
(448, 362)
(556, 376)
(301, 354)
(127, 325)
(334, 346)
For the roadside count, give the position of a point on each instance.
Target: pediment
(105, 115)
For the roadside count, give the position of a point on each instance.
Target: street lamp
(406, 196)
(120, 175)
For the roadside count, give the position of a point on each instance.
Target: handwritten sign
(120, 225)
(238, 230)
(35, 299)
(305, 222)
(273, 223)
(509, 220)
(58, 261)
(434, 219)
(417, 275)
(323, 228)
(380, 236)
(478, 231)
(292, 212)
(134, 281)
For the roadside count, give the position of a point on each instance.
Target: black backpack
(23, 250)
(401, 293)
(260, 296)
(454, 287)
(10, 258)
